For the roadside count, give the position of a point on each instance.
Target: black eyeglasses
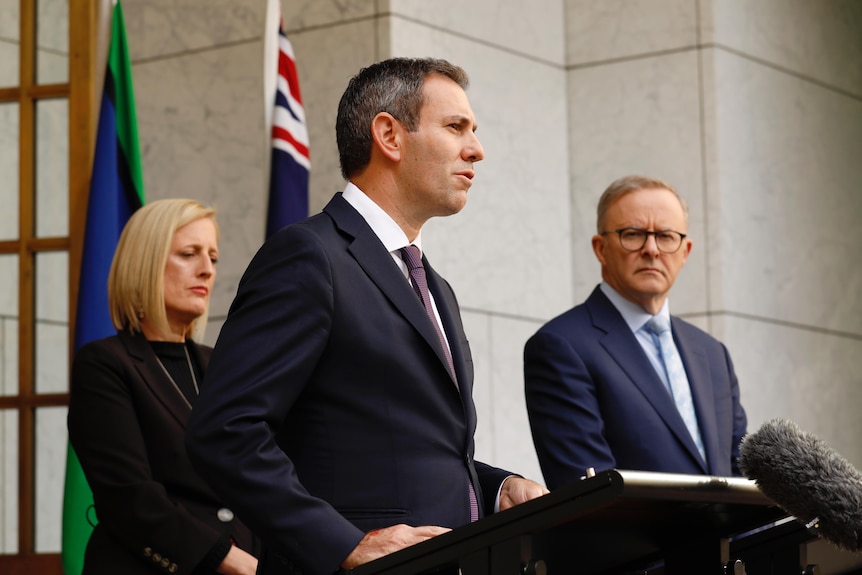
(634, 239)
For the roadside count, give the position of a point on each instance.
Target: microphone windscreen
(807, 479)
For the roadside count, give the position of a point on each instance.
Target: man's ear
(686, 249)
(599, 247)
(386, 132)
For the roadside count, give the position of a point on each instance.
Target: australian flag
(288, 181)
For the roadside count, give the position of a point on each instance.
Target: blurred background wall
(753, 111)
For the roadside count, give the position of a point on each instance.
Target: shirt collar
(381, 223)
(634, 315)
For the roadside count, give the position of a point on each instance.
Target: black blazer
(329, 409)
(126, 423)
(595, 400)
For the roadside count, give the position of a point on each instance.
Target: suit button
(156, 557)
(225, 515)
(165, 562)
(173, 568)
(148, 551)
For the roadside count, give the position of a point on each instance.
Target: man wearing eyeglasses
(607, 384)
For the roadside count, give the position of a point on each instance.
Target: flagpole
(272, 25)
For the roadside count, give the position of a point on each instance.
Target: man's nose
(474, 151)
(651, 244)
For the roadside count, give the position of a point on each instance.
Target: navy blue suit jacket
(595, 400)
(328, 409)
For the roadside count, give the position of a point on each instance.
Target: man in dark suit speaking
(337, 417)
(617, 382)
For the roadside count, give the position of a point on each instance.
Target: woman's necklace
(191, 371)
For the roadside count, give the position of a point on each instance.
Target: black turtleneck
(172, 354)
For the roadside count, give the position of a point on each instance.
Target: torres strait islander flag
(288, 183)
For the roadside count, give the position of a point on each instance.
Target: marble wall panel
(784, 176)
(700, 320)
(52, 167)
(477, 326)
(637, 117)
(9, 281)
(9, 167)
(52, 68)
(9, 495)
(818, 40)
(326, 59)
(505, 428)
(9, 384)
(9, 72)
(808, 376)
(713, 172)
(52, 25)
(518, 205)
(10, 24)
(612, 29)
(156, 28)
(214, 323)
(534, 29)
(51, 374)
(301, 15)
(203, 138)
(52, 41)
(51, 440)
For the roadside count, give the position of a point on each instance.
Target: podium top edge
(692, 487)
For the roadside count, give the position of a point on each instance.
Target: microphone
(807, 479)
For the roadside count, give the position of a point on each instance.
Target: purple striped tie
(413, 259)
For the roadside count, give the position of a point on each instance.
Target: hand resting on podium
(517, 490)
(382, 542)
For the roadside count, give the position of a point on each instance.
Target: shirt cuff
(499, 490)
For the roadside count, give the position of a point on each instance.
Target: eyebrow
(196, 246)
(461, 120)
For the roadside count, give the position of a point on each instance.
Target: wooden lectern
(618, 522)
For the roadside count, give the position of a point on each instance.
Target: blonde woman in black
(131, 395)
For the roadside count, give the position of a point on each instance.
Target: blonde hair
(136, 281)
(627, 184)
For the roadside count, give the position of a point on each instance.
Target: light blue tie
(659, 326)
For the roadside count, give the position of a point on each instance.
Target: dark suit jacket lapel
(146, 364)
(447, 307)
(623, 347)
(372, 256)
(696, 364)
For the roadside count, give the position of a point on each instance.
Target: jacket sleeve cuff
(216, 555)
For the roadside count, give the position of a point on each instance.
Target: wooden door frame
(80, 92)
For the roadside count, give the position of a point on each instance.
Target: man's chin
(652, 287)
(457, 203)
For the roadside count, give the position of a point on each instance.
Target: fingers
(517, 490)
(429, 531)
(382, 542)
(238, 562)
